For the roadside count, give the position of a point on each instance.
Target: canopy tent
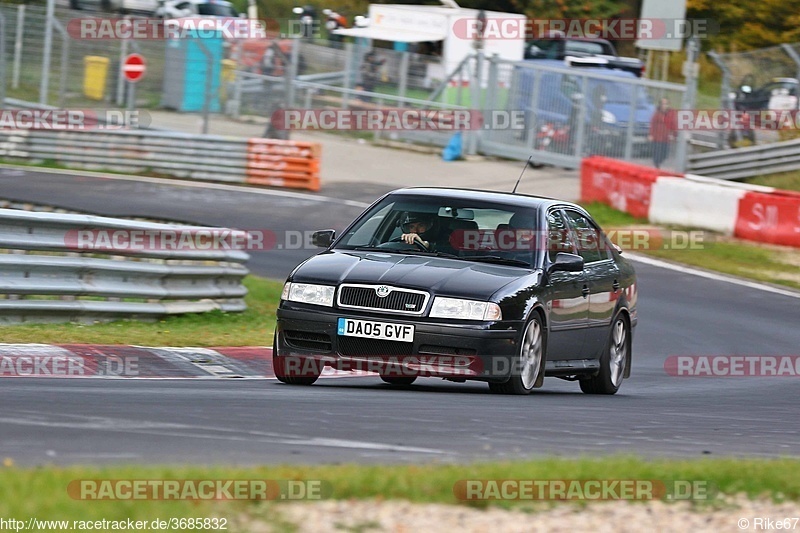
(388, 34)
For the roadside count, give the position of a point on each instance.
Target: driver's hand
(409, 238)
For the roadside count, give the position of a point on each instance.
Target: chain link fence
(544, 109)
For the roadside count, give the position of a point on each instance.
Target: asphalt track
(232, 421)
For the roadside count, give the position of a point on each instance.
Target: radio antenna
(528, 162)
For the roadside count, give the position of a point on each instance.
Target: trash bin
(95, 72)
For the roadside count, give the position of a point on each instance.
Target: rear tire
(613, 362)
(528, 370)
(399, 380)
(283, 372)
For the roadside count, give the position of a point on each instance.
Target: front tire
(613, 362)
(284, 371)
(528, 371)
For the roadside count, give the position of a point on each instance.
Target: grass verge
(756, 261)
(42, 492)
(785, 180)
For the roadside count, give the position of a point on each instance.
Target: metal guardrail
(747, 162)
(197, 157)
(44, 276)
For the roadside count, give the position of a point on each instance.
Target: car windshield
(468, 230)
(585, 47)
(216, 10)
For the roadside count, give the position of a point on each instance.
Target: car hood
(442, 276)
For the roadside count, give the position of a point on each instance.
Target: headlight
(464, 309)
(608, 117)
(308, 294)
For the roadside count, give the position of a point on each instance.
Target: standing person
(370, 70)
(662, 132)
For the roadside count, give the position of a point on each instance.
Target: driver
(418, 226)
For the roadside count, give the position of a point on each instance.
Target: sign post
(133, 69)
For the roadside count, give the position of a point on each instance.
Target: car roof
(515, 199)
(600, 69)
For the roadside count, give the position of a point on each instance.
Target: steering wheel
(417, 242)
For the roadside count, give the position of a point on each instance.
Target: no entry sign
(134, 67)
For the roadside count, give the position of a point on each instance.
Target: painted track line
(711, 275)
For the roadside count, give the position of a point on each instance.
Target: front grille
(357, 346)
(404, 301)
(308, 340)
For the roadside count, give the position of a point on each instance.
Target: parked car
(172, 9)
(497, 287)
(556, 45)
(607, 105)
(779, 94)
(145, 7)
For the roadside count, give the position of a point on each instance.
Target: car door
(602, 277)
(569, 304)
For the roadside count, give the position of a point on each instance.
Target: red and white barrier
(769, 217)
(751, 212)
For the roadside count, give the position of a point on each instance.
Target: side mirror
(323, 238)
(567, 263)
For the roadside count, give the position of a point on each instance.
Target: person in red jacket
(662, 132)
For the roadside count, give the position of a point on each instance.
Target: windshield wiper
(499, 260)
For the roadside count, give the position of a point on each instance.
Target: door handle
(615, 285)
(585, 291)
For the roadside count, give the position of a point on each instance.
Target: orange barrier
(622, 185)
(770, 217)
(280, 163)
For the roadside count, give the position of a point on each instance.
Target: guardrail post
(48, 45)
(725, 89)
(490, 103)
(292, 73)
(475, 100)
(18, 45)
(123, 53)
(3, 77)
(62, 84)
(348, 72)
(631, 124)
(403, 81)
(581, 133)
(532, 129)
(692, 48)
(207, 85)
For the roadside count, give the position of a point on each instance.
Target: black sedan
(462, 285)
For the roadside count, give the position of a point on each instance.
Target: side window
(591, 244)
(559, 238)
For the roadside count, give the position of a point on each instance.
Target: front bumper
(475, 351)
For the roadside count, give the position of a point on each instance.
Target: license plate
(375, 330)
